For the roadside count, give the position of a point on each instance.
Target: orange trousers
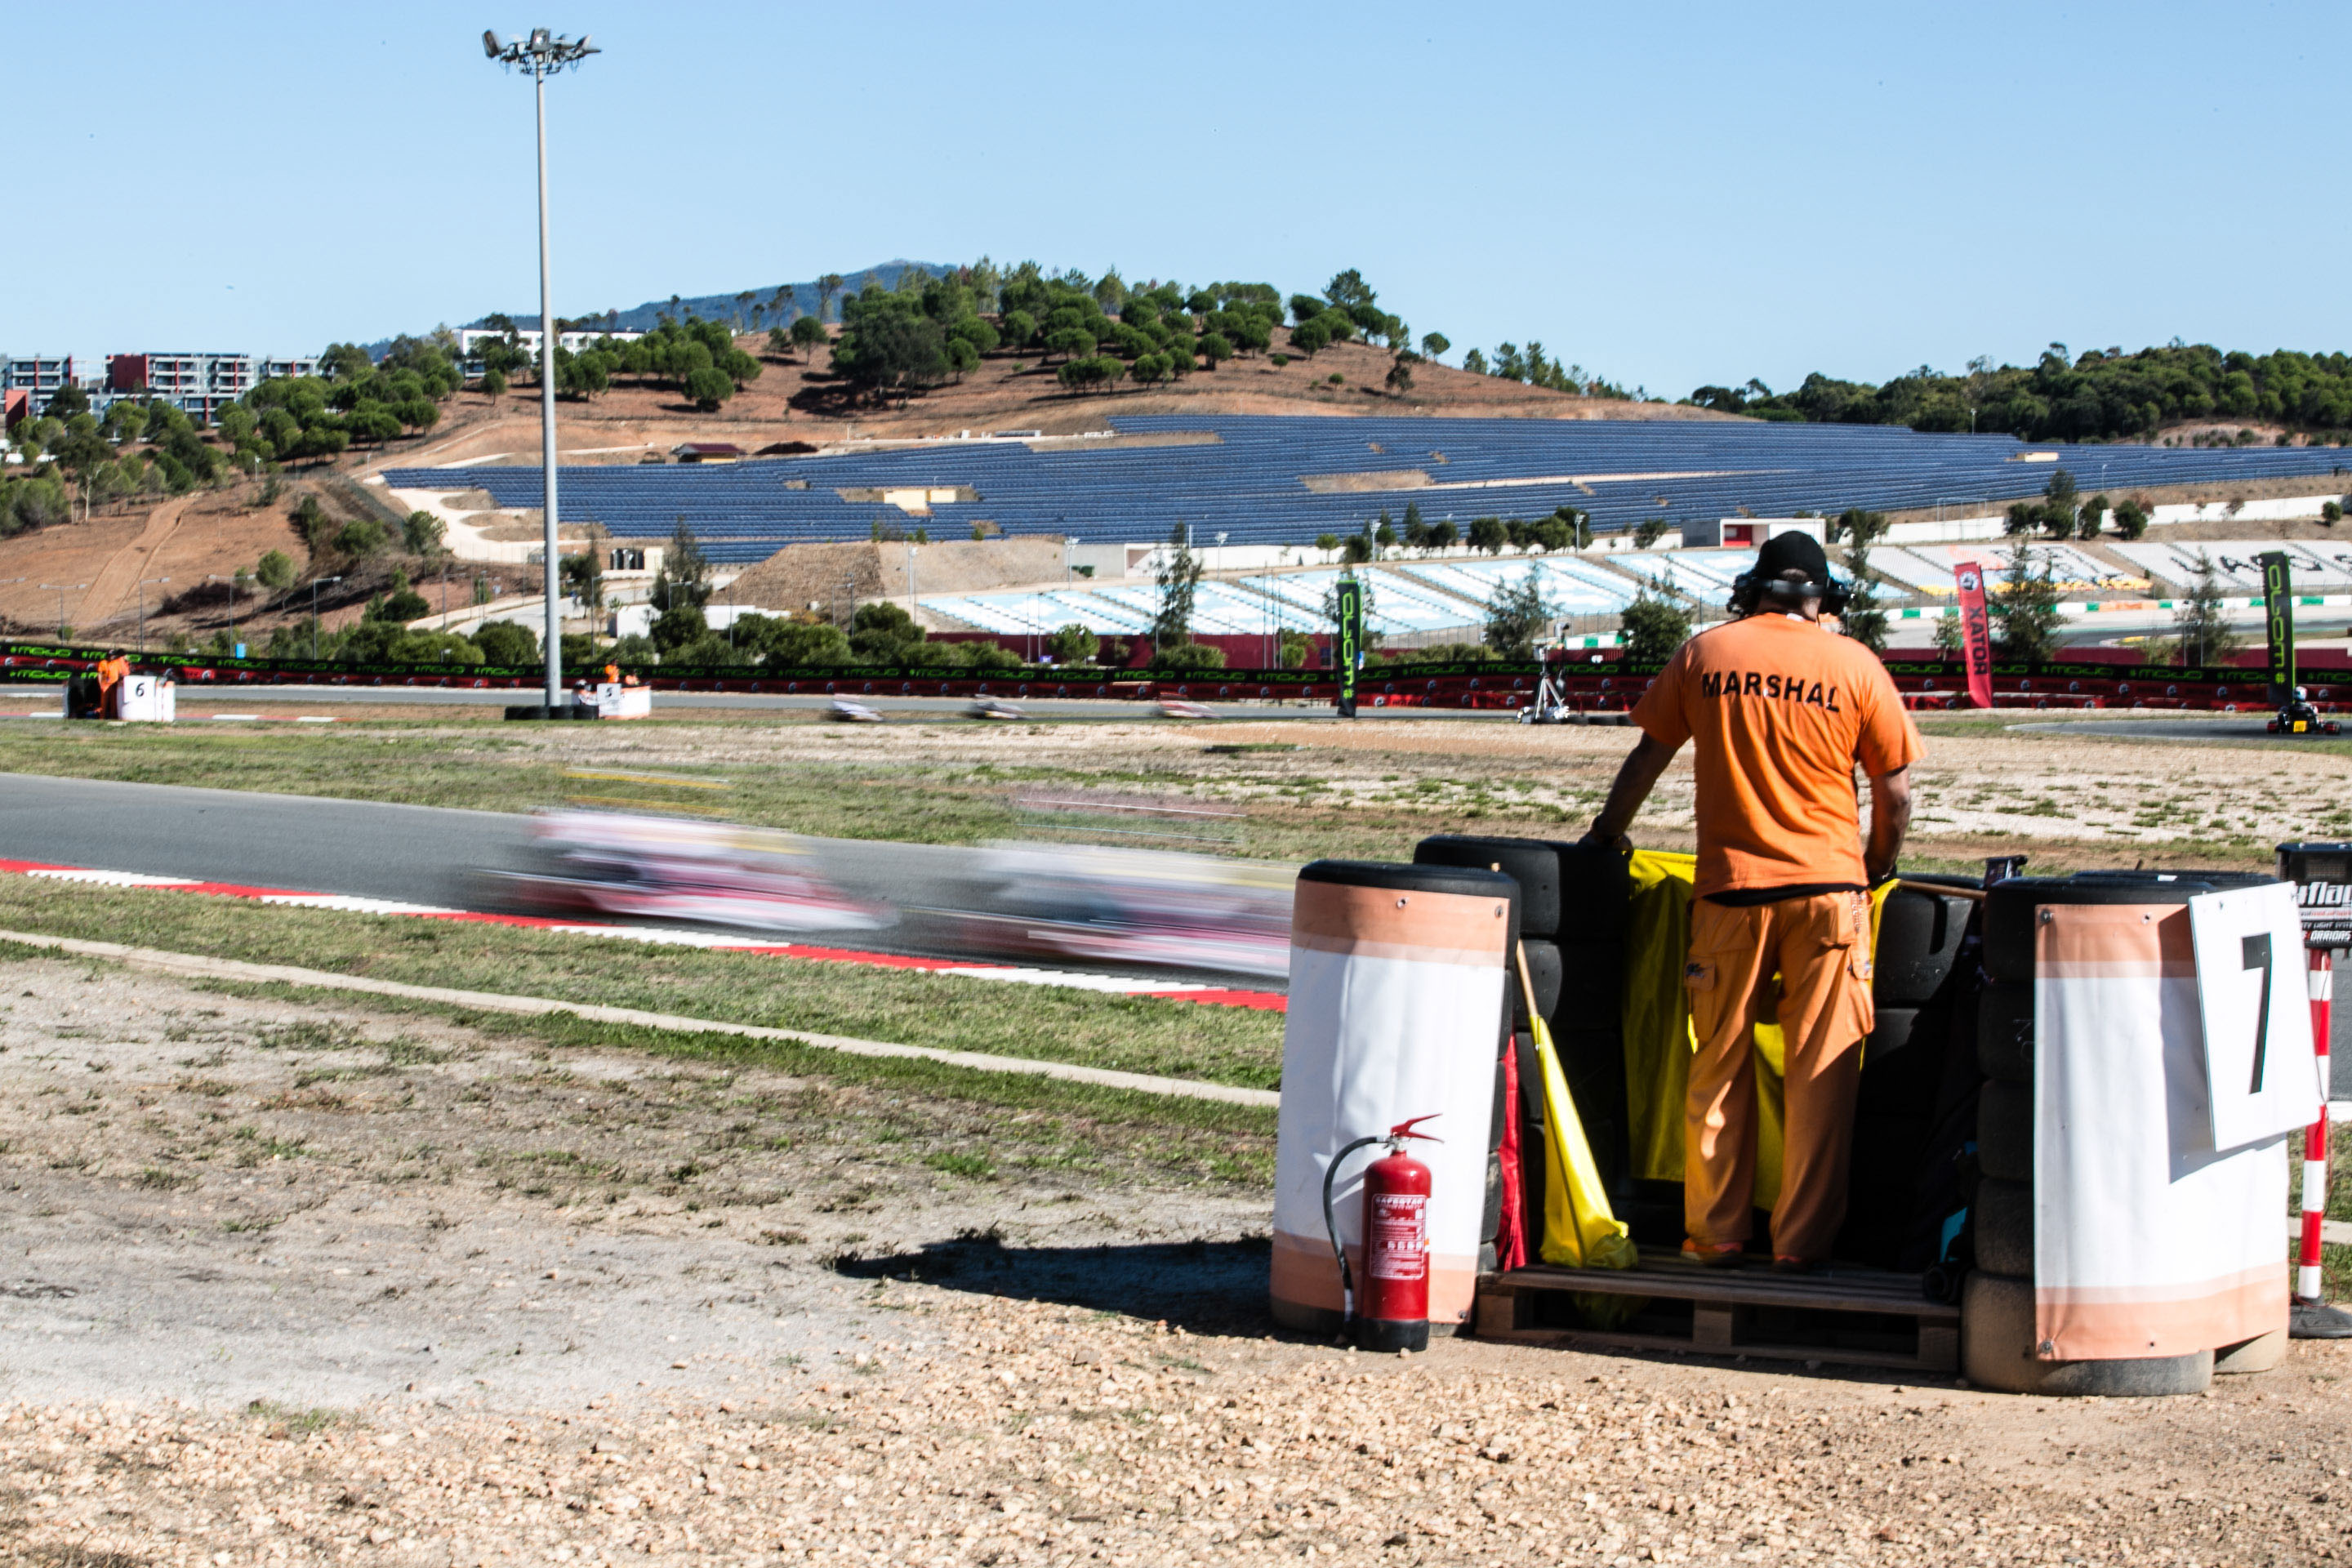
(1818, 947)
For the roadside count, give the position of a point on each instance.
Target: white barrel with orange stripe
(1397, 1010)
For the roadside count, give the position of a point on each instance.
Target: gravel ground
(299, 1283)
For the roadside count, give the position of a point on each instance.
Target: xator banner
(2278, 619)
(1976, 632)
(1351, 642)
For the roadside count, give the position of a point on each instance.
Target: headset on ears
(1748, 591)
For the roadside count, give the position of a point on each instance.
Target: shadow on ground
(1201, 1286)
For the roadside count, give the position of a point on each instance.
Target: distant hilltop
(749, 310)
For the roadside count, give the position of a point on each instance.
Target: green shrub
(1188, 655)
(360, 538)
(505, 643)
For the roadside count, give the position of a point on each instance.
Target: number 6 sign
(2262, 1079)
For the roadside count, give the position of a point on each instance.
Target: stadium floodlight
(63, 589)
(314, 615)
(143, 584)
(542, 54)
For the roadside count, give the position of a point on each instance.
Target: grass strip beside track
(1028, 1121)
(1236, 1046)
(196, 966)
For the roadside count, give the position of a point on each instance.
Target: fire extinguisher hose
(1331, 1225)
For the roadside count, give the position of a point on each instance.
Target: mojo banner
(2278, 617)
(1351, 642)
(1976, 633)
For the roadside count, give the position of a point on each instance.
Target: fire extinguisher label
(1398, 1247)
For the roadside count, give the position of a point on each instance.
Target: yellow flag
(1579, 1231)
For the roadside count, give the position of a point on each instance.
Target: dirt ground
(301, 1283)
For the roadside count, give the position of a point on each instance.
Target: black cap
(1793, 551)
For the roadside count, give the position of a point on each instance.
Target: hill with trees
(2101, 395)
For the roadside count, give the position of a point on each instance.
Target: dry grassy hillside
(794, 401)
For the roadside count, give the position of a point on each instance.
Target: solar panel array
(1248, 482)
(1404, 597)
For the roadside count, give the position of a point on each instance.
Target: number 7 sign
(2262, 1078)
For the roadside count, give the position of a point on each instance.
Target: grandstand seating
(1248, 482)
(1589, 593)
(2070, 568)
(2311, 563)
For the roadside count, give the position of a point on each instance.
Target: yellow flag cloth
(1579, 1231)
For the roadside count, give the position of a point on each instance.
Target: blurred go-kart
(611, 863)
(993, 707)
(1128, 906)
(847, 712)
(1173, 708)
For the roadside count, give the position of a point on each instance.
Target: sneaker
(1795, 1266)
(1714, 1254)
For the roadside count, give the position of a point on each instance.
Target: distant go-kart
(847, 712)
(2298, 717)
(993, 707)
(660, 867)
(1174, 708)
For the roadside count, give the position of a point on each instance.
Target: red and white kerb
(2322, 974)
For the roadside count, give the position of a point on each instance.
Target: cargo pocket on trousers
(1703, 987)
(1850, 951)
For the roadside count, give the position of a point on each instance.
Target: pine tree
(1179, 580)
(1949, 643)
(1654, 623)
(1518, 616)
(2025, 617)
(1864, 621)
(2200, 625)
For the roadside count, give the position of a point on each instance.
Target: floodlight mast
(542, 54)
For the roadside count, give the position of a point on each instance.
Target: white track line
(195, 966)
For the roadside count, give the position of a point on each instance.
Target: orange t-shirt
(1781, 708)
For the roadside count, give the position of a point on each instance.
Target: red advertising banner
(1976, 633)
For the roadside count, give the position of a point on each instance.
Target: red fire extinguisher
(1395, 1315)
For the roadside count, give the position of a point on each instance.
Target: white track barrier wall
(1396, 1008)
(2147, 1241)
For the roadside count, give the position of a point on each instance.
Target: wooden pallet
(1859, 1317)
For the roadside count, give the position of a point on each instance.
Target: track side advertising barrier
(1604, 689)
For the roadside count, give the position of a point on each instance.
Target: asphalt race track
(422, 855)
(2163, 729)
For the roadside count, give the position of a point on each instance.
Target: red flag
(1976, 633)
(1511, 1225)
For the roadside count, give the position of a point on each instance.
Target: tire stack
(1572, 923)
(1919, 989)
(1997, 1333)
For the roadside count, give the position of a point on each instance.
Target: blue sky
(1669, 194)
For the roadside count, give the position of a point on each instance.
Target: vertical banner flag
(1976, 633)
(1351, 642)
(2278, 617)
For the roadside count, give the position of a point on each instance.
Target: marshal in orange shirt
(1781, 708)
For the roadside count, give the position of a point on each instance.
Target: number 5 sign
(2262, 1078)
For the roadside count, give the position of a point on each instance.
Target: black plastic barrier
(1608, 686)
